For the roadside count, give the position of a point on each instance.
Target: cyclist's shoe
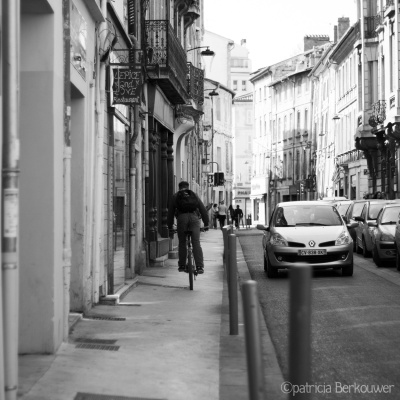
(181, 268)
(200, 270)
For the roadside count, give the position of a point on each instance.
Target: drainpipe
(67, 169)
(146, 172)
(10, 195)
(132, 171)
(100, 104)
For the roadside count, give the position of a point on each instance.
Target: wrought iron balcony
(388, 4)
(195, 83)
(166, 60)
(370, 27)
(349, 156)
(379, 18)
(378, 113)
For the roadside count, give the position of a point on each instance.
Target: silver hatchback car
(306, 232)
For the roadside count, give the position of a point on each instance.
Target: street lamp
(212, 93)
(207, 52)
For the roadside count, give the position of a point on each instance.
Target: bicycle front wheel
(190, 269)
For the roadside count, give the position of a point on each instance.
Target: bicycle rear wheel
(190, 269)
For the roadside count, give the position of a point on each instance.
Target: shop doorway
(120, 214)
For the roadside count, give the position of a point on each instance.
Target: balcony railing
(349, 156)
(370, 27)
(378, 113)
(379, 18)
(195, 83)
(166, 59)
(388, 4)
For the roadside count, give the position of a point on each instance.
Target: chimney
(311, 41)
(335, 34)
(243, 42)
(343, 25)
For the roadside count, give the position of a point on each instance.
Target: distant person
(231, 213)
(223, 209)
(185, 206)
(214, 215)
(238, 215)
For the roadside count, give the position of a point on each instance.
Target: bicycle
(190, 267)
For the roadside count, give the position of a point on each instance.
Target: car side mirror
(262, 227)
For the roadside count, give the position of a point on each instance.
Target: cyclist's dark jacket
(173, 211)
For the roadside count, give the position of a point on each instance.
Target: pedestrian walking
(185, 206)
(231, 214)
(238, 215)
(223, 209)
(214, 215)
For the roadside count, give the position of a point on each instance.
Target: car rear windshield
(390, 215)
(301, 215)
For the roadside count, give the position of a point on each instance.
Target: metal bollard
(225, 240)
(255, 368)
(300, 327)
(233, 290)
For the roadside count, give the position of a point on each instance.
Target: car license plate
(312, 252)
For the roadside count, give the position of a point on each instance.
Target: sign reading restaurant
(126, 85)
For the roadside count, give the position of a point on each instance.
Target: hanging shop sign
(126, 84)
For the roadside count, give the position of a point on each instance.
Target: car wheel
(348, 271)
(271, 272)
(366, 253)
(375, 257)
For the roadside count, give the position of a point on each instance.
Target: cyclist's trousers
(189, 222)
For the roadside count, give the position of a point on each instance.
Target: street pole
(9, 315)
(212, 147)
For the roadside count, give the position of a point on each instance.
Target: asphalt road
(355, 325)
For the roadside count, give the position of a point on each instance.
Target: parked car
(366, 226)
(354, 210)
(334, 199)
(397, 242)
(383, 247)
(306, 232)
(343, 205)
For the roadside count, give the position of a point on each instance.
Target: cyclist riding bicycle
(185, 205)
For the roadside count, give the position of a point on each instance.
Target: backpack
(186, 201)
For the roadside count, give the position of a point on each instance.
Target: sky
(274, 29)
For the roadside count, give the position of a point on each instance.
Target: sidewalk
(162, 341)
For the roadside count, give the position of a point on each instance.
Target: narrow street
(355, 323)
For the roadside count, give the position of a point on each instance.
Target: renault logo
(311, 243)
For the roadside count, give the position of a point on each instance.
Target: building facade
(242, 127)
(283, 162)
(106, 128)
